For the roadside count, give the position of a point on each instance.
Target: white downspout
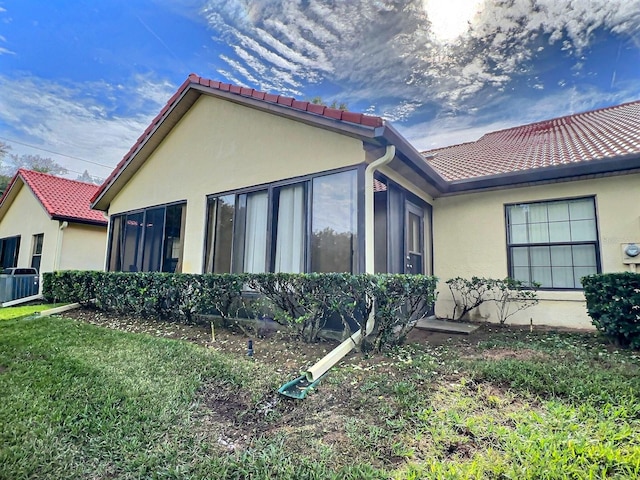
(335, 355)
(56, 260)
(369, 239)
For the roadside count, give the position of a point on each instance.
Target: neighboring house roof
(607, 133)
(63, 199)
(367, 127)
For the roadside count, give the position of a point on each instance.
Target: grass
(24, 310)
(79, 401)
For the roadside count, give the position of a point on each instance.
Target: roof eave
(437, 185)
(83, 221)
(572, 171)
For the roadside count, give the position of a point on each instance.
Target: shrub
(310, 300)
(509, 295)
(161, 295)
(401, 300)
(467, 294)
(613, 303)
(304, 302)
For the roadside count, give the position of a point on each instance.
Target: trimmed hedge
(613, 303)
(304, 302)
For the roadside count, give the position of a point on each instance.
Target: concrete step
(444, 326)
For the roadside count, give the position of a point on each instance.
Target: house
(46, 223)
(230, 179)
(548, 202)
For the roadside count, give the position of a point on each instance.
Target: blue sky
(80, 80)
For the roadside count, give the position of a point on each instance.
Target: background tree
(334, 104)
(88, 178)
(4, 149)
(32, 162)
(11, 162)
(4, 179)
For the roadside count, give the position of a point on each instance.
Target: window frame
(140, 246)
(270, 187)
(34, 254)
(595, 243)
(16, 252)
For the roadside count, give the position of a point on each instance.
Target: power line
(56, 153)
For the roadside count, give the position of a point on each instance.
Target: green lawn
(80, 401)
(24, 310)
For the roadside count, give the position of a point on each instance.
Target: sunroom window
(9, 248)
(290, 229)
(268, 229)
(150, 240)
(553, 243)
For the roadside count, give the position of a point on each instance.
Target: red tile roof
(281, 100)
(63, 199)
(334, 113)
(605, 133)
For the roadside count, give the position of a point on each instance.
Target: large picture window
(553, 243)
(268, 229)
(150, 240)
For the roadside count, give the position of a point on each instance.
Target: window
(553, 243)
(36, 251)
(9, 248)
(290, 229)
(148, 241)
(266, 229)
(334, 223)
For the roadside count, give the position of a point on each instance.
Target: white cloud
(393, 48)
(69, 119)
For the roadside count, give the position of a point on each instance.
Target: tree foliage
(319, 101)
(13, 162)
(88, 178)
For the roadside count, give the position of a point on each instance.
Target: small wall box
(631, 253)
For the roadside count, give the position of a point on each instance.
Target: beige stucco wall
(83, 247)
(26, 217)
(219, 146)
(470, 239)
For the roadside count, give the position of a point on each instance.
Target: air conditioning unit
(631, 253)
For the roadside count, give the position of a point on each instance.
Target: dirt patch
(280, 349)
(507, 354)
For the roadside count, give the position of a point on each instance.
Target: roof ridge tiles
(302, 105)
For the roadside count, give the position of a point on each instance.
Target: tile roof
(63, 199)
(599, 134)
(333, 113)
(249, 93)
